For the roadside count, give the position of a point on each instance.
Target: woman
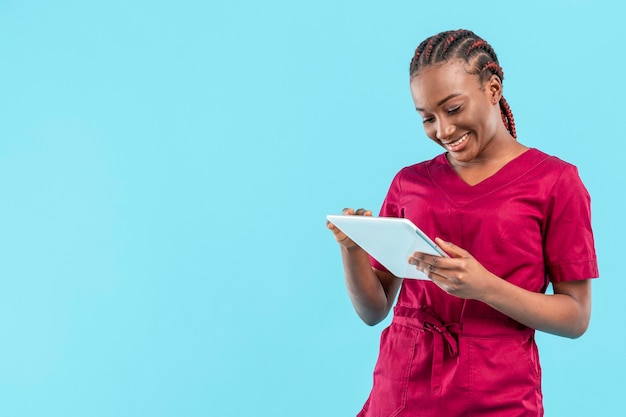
(512, 219)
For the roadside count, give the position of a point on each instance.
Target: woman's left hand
(460, 275)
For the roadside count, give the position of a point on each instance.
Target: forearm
(367, 293)
(566, 313)
(563, 314)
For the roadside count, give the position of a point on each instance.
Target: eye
(427, 120)
(454, 109)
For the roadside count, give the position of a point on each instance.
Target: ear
(494, 88)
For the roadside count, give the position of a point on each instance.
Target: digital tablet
(389, 240)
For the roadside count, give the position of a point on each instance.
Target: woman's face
(458, 112)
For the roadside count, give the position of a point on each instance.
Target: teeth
(458, 142)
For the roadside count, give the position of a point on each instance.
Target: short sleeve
(568, 240)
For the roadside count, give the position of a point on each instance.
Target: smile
(457, 142)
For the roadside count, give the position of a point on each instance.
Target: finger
(437, 275)
(333, 228)
(452, 249)
(422, 265)
(440, 275)
(433, 273)
(359, 212)
(426, 258)
(341, 237)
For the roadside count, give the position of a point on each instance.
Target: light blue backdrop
(165, 170)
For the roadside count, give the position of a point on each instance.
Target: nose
(445, 129)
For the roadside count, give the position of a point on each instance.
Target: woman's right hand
(371, 291)
(340, 236)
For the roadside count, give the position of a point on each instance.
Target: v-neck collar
(459, 191)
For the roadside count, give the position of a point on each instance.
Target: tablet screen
(389, 240)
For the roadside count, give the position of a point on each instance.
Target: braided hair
(473, 50)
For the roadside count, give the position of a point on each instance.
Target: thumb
(453, 250)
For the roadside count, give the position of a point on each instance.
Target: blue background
(165, 171)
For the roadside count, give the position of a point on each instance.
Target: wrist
(493, 291)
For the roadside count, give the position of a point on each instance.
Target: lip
(458, 147)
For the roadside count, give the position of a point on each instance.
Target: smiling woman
(462, 342)
(457, 89)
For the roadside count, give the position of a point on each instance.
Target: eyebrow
(442, 101)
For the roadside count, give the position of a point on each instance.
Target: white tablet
(389, 240)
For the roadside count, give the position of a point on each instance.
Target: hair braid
(494, 68)
(478, 45)
(418, 54)
(449, 40)
(435, 41)
(468, 47)
(507, 117)
(454, 40)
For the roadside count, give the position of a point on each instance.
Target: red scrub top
(530, 223)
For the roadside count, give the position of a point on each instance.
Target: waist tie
(425, 320)
(446, 335)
